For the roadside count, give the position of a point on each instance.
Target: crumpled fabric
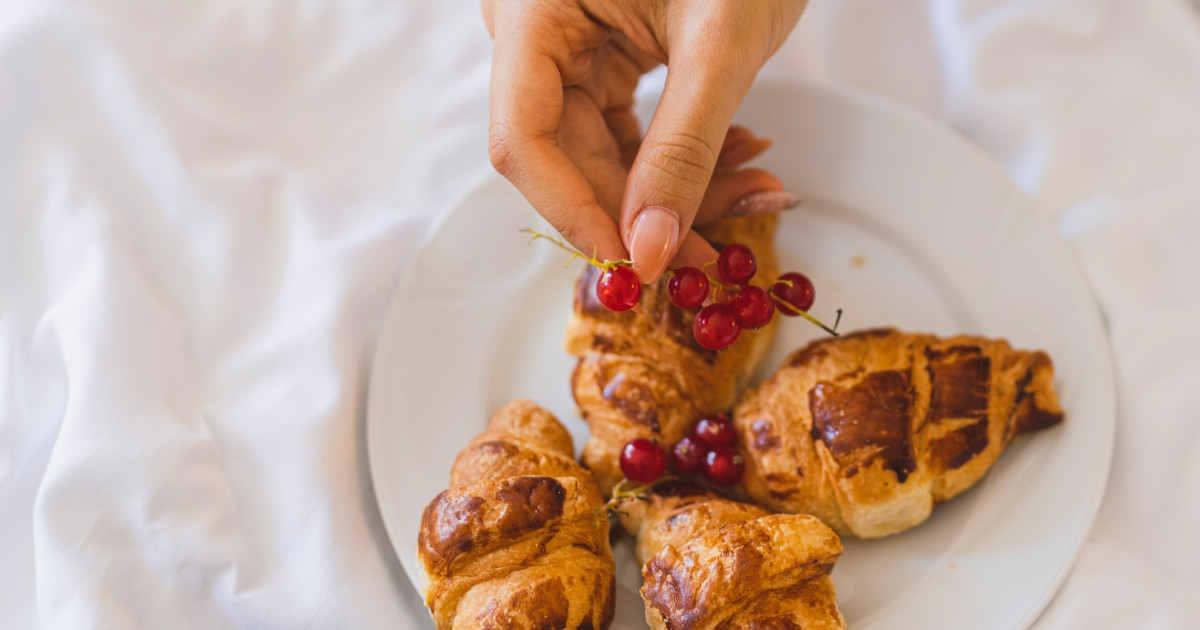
(204, 208)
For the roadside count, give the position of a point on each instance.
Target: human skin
(563, 131)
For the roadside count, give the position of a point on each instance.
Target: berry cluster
(733, 304)
(709, 448)
(728, 303)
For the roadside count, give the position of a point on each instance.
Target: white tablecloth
(204, 207)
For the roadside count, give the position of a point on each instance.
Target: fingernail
(652, 240)
(765, 202)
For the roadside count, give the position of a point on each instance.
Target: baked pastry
(870, 430)
(708, 562)
(517, 540)
(644, 375)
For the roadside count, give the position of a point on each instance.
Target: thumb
(675, 162)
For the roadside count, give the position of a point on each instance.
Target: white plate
(904, 224)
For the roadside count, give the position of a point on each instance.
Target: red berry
(619, 288)
(753, 308)
(715, 327)
(688, 456)
(723, 466)
(643, 461)
(736, 264)
(687, 288)
(794, 289)
(715, 430)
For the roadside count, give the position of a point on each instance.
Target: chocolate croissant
(517, 540)
(644, 375)
(870, 430)
(708, 562)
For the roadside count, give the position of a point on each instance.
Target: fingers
(727, 200)
(596, 153)
(730, 193)
(714, 50)
(526, 105)
(694, 252)
(743, 193)
(625, 128)
(675, 162)
(587, 141)
(741, 146)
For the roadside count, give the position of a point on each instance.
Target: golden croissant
(708, 562)
(516, 541)
(644, 375)
(870, 430)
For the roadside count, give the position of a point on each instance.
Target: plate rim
(480, 179)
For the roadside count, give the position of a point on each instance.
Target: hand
(563, 130)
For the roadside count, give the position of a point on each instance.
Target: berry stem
(620, 494)
(605, 265)
(715, 282)
(792, 309)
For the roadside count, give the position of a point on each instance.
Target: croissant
(708, 562)
(516, 542)
(870, 430)
(644, 375)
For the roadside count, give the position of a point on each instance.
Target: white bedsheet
(204, 207)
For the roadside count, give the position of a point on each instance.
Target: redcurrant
(752, 307)
(688, 456)
(723, 466)
(619, 288)
(715, 430)
(795, 291)
(643, 461)
(687, 288)
(736, 264)
(715, 327)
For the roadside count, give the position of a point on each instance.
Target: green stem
(605, 265)
(620, 494)
(805, 315)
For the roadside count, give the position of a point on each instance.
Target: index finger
(526, 105)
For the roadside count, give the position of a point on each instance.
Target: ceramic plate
(903, 224)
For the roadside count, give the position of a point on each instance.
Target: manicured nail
(765, 202)
(652, 241)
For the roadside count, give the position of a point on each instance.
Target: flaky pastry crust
(709, 562)
(515, 541)
(870, 430)
(644, 375)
